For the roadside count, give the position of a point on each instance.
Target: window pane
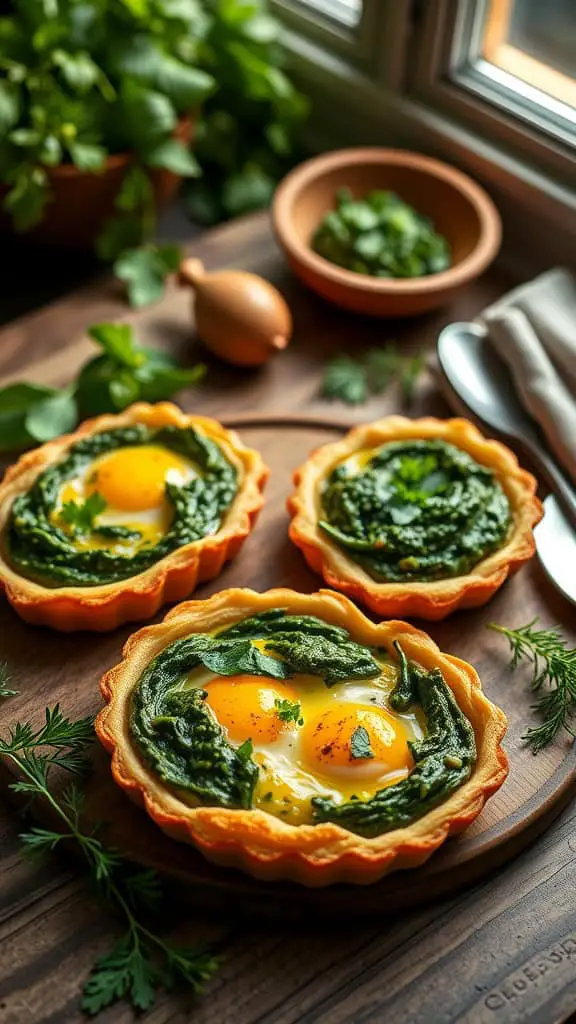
(347, 12)
(535, 41)
(546, 31)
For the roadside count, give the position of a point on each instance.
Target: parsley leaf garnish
(289, 710)
(360, 744)
(345, 379)
(81, 515)
(353, 380)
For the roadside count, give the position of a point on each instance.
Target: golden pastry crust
(175, 576)
(427, 599)
(257, 842)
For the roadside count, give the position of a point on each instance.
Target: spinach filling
(39, 549)
(178, 736)
(418, 510)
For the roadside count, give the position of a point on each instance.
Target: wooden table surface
(503, 951)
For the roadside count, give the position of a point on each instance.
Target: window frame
(443, 77)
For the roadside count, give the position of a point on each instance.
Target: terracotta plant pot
(81, 202)
(459, 208)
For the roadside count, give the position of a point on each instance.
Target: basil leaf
(158, 383)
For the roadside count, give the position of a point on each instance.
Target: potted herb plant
(99, 101)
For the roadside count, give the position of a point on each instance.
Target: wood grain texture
(503, 950)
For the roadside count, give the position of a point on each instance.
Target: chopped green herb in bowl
(382, 236)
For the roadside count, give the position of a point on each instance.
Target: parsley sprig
(352, 380)
(81, 515)
(553, 677)
(289, 710)
(141, 961)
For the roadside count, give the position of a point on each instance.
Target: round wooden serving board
(51, 667)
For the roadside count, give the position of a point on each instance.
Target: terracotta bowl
(459, 208)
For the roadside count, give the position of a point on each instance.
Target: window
(487, 84)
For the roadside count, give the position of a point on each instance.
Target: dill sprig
(554, 673)
(353, 380)
(140, 961)
(5, 691)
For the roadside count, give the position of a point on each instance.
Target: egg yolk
(246, 707)
(328, 744)
(134, 479)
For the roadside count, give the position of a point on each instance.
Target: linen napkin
(533, 329)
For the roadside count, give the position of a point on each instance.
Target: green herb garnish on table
(553, 677)
(141, 961)
(382, 236)
(123, 373)
(353, 379)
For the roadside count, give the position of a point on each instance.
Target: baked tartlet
(415, 517)
(105, 525)
(287, 735)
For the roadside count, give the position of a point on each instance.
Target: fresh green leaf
(27, 198)
(145, 271)
(16, 401)
(174, 156)
(52, 416)
(119, 233)
(81, 515)
(136, 190)
(249, 189)
(9, 106)
(118, 342)
(51, 151)
(147, 116)
(78, 69)
(345, 379)
(360, 747)
(86, 156)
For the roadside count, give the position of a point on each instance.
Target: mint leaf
(81, 515)
(175, 157)
(117, 341)
(53, 416)
(145, 270)
(248, 189)
(86, 156)
(360, 744)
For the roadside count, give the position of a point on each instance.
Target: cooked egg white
(313, 756)
(132, 482)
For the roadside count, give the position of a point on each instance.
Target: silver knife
(482, 383)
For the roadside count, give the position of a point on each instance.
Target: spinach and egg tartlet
(415, 517)
(106, 524)
(288, 735)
